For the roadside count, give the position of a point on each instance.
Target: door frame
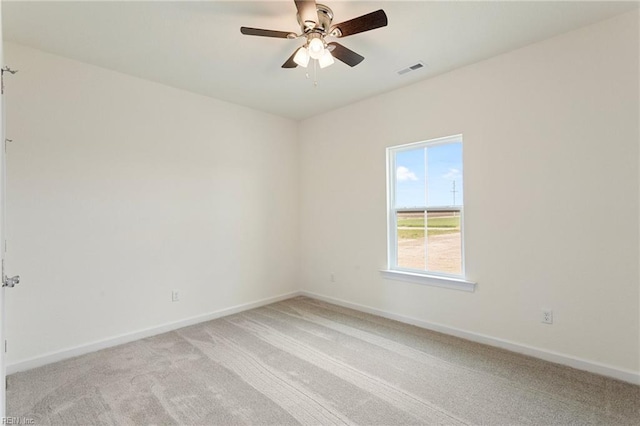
(3, 371)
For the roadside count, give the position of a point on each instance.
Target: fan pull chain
(315, 73)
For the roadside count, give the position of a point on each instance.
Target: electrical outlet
(547, 316)
(333, 277)
(175, 296)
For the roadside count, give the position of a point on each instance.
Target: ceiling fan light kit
(315, 46)
(302, 57)
(315, 24)
(326, 59)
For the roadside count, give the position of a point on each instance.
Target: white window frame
(393, 271)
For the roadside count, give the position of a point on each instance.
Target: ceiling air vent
(413, 67)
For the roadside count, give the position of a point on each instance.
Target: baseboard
(563, 359)
(555, 357)
(63, 354)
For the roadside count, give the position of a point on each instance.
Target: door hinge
(7, 142)
(5, 69)
(9, 282)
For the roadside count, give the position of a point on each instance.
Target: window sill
(432, 280)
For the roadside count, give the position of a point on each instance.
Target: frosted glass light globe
(316, 48)
(326, 59)
(302, 57)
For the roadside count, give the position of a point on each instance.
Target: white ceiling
(197, 46)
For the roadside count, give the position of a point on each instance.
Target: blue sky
(444, 166)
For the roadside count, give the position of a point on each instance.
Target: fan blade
(308, 11)
(345, 55)
(290, 62)
(265, 33)
(363, 23)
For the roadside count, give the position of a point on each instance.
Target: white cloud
(452, 174)
(403, 174)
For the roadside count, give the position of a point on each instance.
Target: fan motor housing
(325, 17)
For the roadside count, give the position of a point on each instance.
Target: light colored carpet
(302, 361)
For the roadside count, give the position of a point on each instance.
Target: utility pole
(453, 191)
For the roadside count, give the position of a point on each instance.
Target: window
(425, 209)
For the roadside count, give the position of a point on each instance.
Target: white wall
(551, 195)
(121, 190)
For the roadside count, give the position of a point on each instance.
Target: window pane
(410, 178)
(444, 242)
(426, 196)
(444, 177)
(411, 243)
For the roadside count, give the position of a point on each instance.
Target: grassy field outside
(432, 222)
(439, 250)
(412, 226)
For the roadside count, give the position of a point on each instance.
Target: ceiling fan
(315, 24)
